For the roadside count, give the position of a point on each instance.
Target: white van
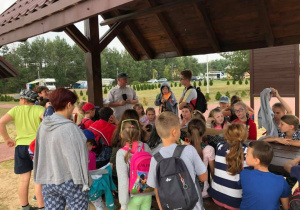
(47, 82)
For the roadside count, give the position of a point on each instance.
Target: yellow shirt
(27, 120)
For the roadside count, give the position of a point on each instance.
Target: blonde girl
(130, 134)
(229, 162)
(141, 112)
(196, 130)
(216, 119)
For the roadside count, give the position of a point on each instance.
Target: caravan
(47, 82)
(216, 75)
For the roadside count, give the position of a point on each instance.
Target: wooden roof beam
(110, 35)
(200, 9)
(81, 40)
(266, 23)
(168, 30)
(144, 12)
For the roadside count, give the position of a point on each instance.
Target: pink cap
(88, 106)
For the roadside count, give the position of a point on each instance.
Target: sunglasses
(238, 110)
(130, 120)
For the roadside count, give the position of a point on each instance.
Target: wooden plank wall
(276, 67)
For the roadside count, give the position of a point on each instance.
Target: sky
(114, 44)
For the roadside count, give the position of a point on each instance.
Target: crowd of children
(179, 159)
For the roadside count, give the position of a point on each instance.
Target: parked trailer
(47, 82)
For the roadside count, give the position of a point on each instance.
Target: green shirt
(27, 120)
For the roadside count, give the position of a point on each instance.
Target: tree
(218, 96)
(238, 63)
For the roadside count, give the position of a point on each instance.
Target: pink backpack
(139, 169)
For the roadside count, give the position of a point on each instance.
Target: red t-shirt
(252, 129)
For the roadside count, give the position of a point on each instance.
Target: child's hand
(284, 141)
(10, 143)
(163, 100)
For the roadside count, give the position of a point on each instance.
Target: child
(140, 110)
(186, 116)
(223, 102)
(289, 131)
(293, 168)
(166, 99)
(216, 119)
(241, 111)
(150, 112)
(261, 188)
(130, 134)
(196, 130)
(229, 162)
(89, 112)
(79, 115)
(168, 128)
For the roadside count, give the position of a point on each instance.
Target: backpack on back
(200, 102)
(294, 203)
(81, 124)
(139, 169)
(176, 188)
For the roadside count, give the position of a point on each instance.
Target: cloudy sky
(114, 44)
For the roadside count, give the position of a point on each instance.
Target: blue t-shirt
(262, 190)
(295, 172)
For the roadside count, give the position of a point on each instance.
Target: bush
(199, 83)
(218, 96)
(138, 87)
(105, 90)
(159, 85)
(134, 87)
(205, 82)
(211, 82)
(142, 87)
(207, 97)
(81, 93)
(155, 86)
(246, 82)
(171, 84)
(145, 102)
(228, 83)
(135, 83)
(237, 93)
(84, 98)
(86, 92)
(243, 94)
(75, 92)
(233, 82)
(240, 82)
(227, 94)
(175, 84)
(194, 83)
(179, 84)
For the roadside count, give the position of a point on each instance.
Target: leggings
(140, 203)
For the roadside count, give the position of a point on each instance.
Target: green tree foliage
(238, 63)
(199, 83)
(105, 90)
(240, 82)
(211, 82)
(237, 93)
(227, 94)
(194, 83)
(218, 96)
(207, 97)
(175, 84)
(81, 93)
(180, 84)
(246, 82)
(243, 94)
(233, 82)
(205, 82)
(228, 83)
(171, 84)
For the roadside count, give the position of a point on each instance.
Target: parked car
(161, 80)
(197, 78)
(152, 81)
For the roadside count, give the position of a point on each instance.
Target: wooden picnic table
(282, 154)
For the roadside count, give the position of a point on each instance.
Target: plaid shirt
(296, 135)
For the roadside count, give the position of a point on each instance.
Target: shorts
(23, 162)
(65, 194)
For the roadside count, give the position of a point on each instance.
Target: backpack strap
(191, 87)
(158, 157)
(178, 151)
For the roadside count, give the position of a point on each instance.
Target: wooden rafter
(110, 35)
(200, 9)
(266, 21)
(144, 12)
(168, 30)
(73, 32)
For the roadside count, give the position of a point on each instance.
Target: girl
(140, 110)
(289, 131)
(186, 116)
(216, 119)
(196, 130)
(130, 134)
(150, 112)
(225, 190)
(241, 111)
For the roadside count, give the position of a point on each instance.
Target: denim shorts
(23, 162)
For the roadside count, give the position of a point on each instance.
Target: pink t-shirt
(92, 161)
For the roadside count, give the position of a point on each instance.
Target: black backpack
(200, 102)
(294, 203)
(176, 189)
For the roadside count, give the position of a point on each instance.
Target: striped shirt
(224, 187)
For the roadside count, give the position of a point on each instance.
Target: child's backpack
(81, 124)
(139, 169)
(176, 188)
(200, 102)
(294, 203)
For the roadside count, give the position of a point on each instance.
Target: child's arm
(203, 177)
(227, 112)
(291, 142)
(212, 167)
(285, 203)
(157, 102)
(283, 102)
(3, 131)
(288, 166)
(157, 198)
(250, 110)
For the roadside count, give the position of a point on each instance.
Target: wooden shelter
(151, 29)
(6, 70)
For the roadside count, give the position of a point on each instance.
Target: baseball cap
(224, 99)
(88, 106)
(122, 75)
(29, 95)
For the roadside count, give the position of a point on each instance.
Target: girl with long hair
(216, 119)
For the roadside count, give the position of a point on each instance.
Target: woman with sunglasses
(131, 135)
(241, 111)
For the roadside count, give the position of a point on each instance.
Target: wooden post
(296, 79)
(251, 79)
(93, 61)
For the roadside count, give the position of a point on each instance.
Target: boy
(89, 112)
(189, 94)
(168, 128)
(293, 168)
(223, 102)
(261, 188)
(166, 99)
